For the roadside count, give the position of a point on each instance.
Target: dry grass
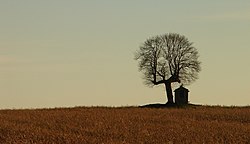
(126, 125)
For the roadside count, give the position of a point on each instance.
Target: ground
(191, 124)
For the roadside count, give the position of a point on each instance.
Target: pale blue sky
(57, 53)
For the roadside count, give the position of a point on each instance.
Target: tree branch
(158, 82)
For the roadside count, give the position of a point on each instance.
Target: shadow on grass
(168, 105)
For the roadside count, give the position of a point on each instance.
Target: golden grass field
(80, 125)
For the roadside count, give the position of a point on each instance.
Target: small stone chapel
(181, 95)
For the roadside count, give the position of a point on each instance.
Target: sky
(60, 53)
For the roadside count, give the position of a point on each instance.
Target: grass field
(197, 124)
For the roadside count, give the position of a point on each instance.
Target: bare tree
(166, 59)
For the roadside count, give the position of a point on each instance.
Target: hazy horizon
(63, 53)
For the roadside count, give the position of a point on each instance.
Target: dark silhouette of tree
(166, 59)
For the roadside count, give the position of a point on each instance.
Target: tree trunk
(169, 93)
